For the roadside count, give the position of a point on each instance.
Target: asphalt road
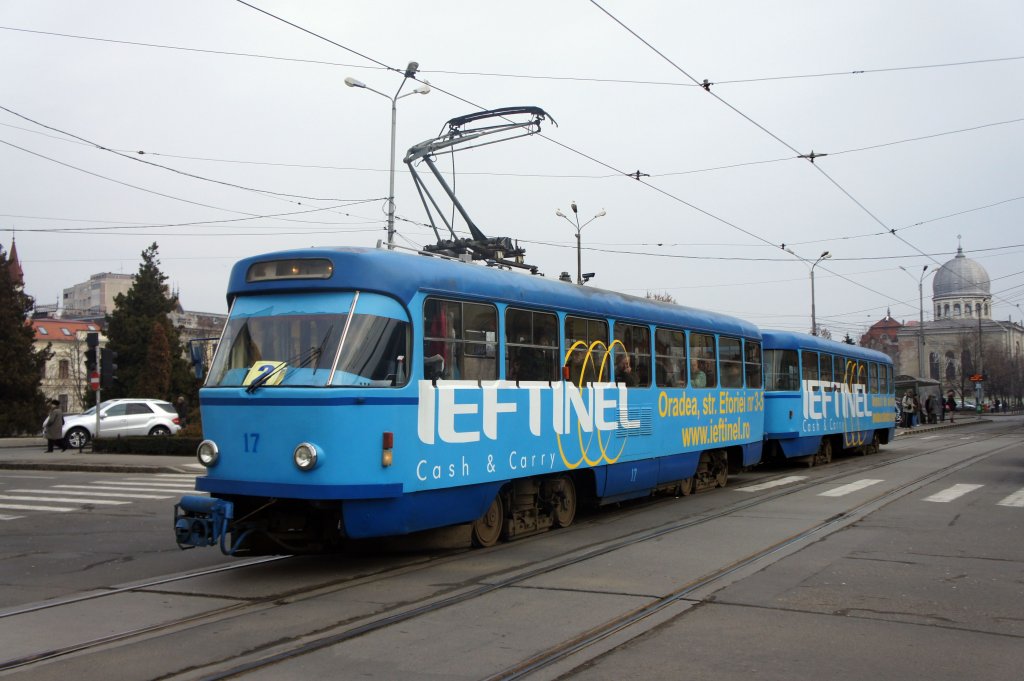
(908, 564)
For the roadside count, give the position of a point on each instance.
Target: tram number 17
(252, 442)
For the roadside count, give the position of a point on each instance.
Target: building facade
(64, 376)
(95, 298)
(961, 341)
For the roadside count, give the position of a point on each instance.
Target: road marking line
(929, 437)
(100, 494)
(171, 486)
(63, 500)
(10, 517)
(774, 483)
(122, 489)
(1016, 500)
(24, 507)
(852, 487)
(951, 493)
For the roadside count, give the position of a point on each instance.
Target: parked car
(122, 417)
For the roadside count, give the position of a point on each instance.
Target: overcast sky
(919, 106)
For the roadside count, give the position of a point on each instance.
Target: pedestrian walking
(53, 428)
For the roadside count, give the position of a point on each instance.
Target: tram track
(619, 624)
(461, 593)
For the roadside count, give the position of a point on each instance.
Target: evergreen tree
(22, 404)
(155, 379)
(142, 369)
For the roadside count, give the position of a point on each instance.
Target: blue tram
(823, 397)
(364, 392)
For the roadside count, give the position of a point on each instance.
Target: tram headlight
(305, 456)
(207, 453)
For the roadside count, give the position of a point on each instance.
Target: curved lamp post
(920, 326)
(824, 256)
(410, 72)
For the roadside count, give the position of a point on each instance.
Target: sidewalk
(29, 453)
(965, 420)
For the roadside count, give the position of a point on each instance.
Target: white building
(95, 298)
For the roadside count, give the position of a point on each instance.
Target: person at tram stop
(907, 407)
(698, 379)
(929, 409)
(624, 370)
(53, 428)
(951, 406)
(942, 409)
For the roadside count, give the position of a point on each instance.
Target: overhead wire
(525, 76)
(811, 157)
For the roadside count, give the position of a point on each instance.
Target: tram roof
(782, 340)
(403, 275)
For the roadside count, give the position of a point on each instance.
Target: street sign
(94, 380)
(977, 378)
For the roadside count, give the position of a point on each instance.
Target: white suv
(122, 417)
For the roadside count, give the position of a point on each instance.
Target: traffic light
(92, 339)
(108, 372)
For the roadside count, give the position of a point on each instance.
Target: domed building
(961, 340)
(961, 289)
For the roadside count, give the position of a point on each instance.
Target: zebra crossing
(66, 498)
(951, 493)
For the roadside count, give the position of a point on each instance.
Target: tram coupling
(202, 521)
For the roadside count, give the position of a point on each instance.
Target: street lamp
(579, 228)
(920, 326)
(814, 323)
(824, 256)
(410, 72)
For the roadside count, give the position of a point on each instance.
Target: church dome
(961, 277)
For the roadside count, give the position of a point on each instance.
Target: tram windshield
(293, 341)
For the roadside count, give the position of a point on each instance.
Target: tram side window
(873, 377)
(463, 336)
(586, 345)
(702, 361)
(670, 358)
(632, 364)
(531, 345)
(730, 360)
(888, 376)
(809, 367)
(862, 375)
(827, 377)
(782, 372)
(752, 363)
(846, 371)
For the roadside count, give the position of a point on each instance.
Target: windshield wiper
(300, 361)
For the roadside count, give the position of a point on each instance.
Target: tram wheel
(686, 487)
(824, 455)
(565, 506)
(721, 464)
(487, 528)
(876, 444)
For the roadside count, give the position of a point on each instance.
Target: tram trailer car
(823, 397)
(364, 392)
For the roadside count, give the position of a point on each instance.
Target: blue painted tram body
(364, 392)
(823, 397)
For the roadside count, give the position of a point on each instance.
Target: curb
(91, 467)
(920, 430)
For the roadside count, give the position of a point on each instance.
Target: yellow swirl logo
(854, 374)
(588, 361)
